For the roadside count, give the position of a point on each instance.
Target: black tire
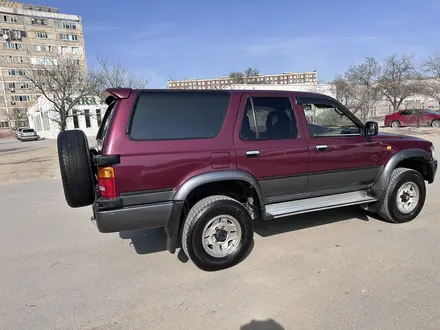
(76, 168)
(389, 209)
(395, 124)
(435, 123)
(199, 216)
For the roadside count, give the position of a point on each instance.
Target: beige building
(286, 78)
(31, 35)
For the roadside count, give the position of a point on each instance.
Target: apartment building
(307, 78)
(31, 35)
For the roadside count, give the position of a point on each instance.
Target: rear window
(178, 115)
(29, 130)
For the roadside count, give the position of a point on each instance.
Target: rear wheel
(436, 124)
(405, 196)
(76, 168)
(217, 233)
(395, 124)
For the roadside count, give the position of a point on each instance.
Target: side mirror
(371, 128)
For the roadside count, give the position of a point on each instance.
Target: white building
(87, 116)
(326, 89)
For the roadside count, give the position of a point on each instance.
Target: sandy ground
(27, 161)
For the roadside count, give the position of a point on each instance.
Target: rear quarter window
(178, 115)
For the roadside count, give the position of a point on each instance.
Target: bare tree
(247, 77)
(431, 85)
(250, 75)
(398, 80)
(237, 77)
(343, 91)
(356, 89)
(362, 81)
(63, 80)
(112, 74)
(17, 116)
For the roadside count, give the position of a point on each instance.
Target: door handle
(252, 153)
(321, 147)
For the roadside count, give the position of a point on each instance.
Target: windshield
(105, 121)
(432, 112)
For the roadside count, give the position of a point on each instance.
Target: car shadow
(269, 324)
(147, 241)
(308, 220)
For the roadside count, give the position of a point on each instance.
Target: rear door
(270, 144)
(341, 159)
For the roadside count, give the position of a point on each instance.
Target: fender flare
(180, 195)
(228, 175)
(378, 188)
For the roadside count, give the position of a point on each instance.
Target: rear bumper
(111, 217)
(29, 138)
(132, 217)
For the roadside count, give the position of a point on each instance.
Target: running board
(284, 209)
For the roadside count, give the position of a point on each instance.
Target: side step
(284, 209)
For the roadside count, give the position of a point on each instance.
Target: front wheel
(405, 196)
(436, 124)
(395, 124)
(217, 233)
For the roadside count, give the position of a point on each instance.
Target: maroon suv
(205, 165)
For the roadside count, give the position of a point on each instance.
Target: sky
(180, 39)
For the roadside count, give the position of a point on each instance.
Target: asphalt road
(337, 269)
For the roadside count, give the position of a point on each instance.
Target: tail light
(106, 182)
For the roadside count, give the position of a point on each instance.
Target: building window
(16, 72)
(49, 48)
(68, 37)
(98, 117)
(67, 25)
(15, 59)
(14, 34)
(37, 48)
(4, 124)
(76, 50)
(43, 61)
(20, 98)
(10, 19)
(42, 35)
(38, 21)
(87, 117)
(46, 124)
(13, 45)
(21, 85)
(75, 119)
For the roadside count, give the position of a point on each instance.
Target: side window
(268, 118)
(178, 115)
(328, 120)
(405, 113)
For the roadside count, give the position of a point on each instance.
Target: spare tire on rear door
(76, 168)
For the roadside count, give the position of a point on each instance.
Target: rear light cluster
(106, 182)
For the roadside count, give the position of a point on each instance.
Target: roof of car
(125, 92)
